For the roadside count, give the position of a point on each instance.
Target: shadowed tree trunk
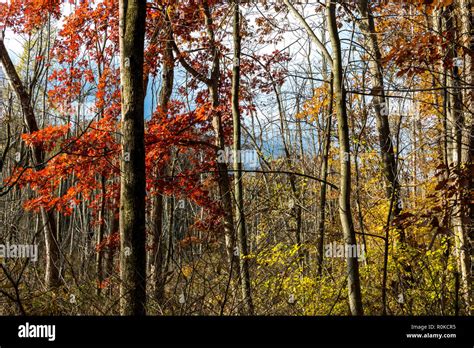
(132, 188)
(223, 180)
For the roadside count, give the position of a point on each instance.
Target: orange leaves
(81, 160)
(417, 55)
(430, 5)
(46, 137)
(27, 15)
(190, 241)
(202, 113)
(313, 107)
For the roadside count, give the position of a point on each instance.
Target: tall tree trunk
(224, 183)
(132, 189)
(159, 241)
(223, 180)
(455, 135)
(467, 147)
(325, 159)
(52, 276)
(324, 177)
(355, 297)
(389, 165)
(238, 184)
(100, 236)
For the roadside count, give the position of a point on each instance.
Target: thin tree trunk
(223, 180)
(355, 297)
(224, 183)
(159, 242)
(324, 176)
(389, 164)
(238, 184)
(100, 236)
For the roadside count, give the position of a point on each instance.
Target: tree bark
(389, 164)
(324, 176)
(456, 128)
(132, 194)
(467, 145)
(324, 162)
(238, 183)
(159, 241)
(355, 297)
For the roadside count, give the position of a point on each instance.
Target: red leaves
(84, 76)
(27, 15)
(110, 242)
(82, 158)
(46, 137)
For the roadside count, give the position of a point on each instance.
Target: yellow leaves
(279, 255)
(187, 271)
(313, 107)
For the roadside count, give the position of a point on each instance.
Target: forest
(236, 157)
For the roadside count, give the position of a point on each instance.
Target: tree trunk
(389, 165)
(456, 128)
(467, 145)
(223, 180)
(238, 184)
(225, 188)
(132, 188)
(159, 242)
(324, 177)
(100, 236)
(324, 160)
(52, 276)
(355, 298)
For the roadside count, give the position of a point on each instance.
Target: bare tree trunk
(223, 180)
(100, 236)
(114, 228)
(224, 183)
(159, 242)
(455, 135)
(389, 165)
(325, 159)
(239, 187)
(324, 177)
(132, 194)
(355, 298)
(52, 276)
(467, 145)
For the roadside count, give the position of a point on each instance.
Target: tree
(132, 197)
(355, 298)
(238, 179)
